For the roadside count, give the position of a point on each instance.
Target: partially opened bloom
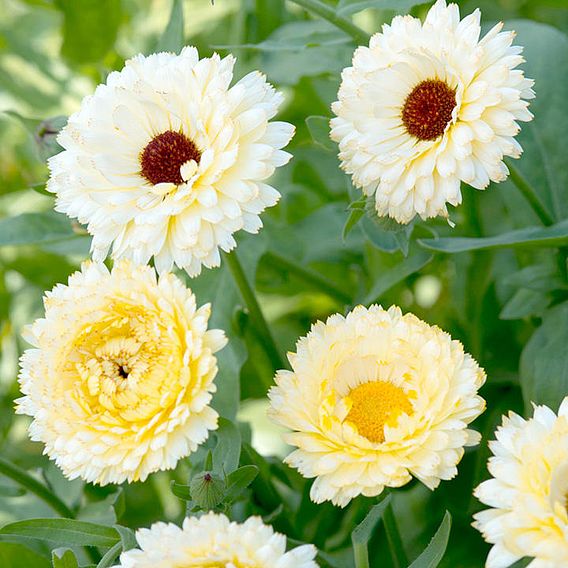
(168, 160)
(427, 106)
(528, 491)
(212, 540)
(374, 398)
(120, 376)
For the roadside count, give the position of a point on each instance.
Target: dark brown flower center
(428, 109)
(162, 158)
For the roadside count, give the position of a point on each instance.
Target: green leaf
(127, 537)
(63, 531)
(16, 555)
(525, 303)
(355, 216)
(172, 39)
(319, 131)
(386, 234)
(90, 28)
(545, 50)
(239, 480)
(11, 491)
(363, 532)
(544, 360)
(110, 556)
(228, 449)
(64, 558)
(434, 552)
(553, 236)
(392, 276)
(180, 491)
(346, 7)
(32, 228)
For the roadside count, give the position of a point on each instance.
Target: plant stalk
(396, 547)
(40, 490)
(253, 306)
(529, 194)
(328, 13)
(310, 277)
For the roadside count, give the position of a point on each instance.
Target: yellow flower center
(126, 365)
(374, 405)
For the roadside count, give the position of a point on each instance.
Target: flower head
(120, 376)
(427, 106)
(212, 540)
(528, 491)
(167, 160)
(374, 398)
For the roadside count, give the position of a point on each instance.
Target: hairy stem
(530, 194)
(253, 306)
(328, 13)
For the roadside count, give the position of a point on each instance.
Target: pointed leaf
(434, 552)
(363, 532)
(63, 531)
(228, 449)
(64, 558)
(172, 39)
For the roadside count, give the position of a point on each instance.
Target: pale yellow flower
(528, 491)
(427, 106)
(120, 376)
(374, 398)
(213, 541)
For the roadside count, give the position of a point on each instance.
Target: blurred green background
(54, 52)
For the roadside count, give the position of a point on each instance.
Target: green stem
(24, 479)
(393, 536)
(112, 553)
(328, 13)
(253, 306)
(530, 194)
(361, 554)
(310, 277)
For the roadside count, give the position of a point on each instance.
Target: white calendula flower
(212, 540)
(427, 106)
(373, 399)
(120, 376)
(168, 160)
(528, 493)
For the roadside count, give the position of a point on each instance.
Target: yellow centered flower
(527, 492)
(213, 541)
(373, 399)
(120, 375)
(374, 405)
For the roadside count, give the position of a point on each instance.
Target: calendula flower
(120, 376)
(167, 160)
(427, 106)
(528, 493)
(374, 398)
(212, 540)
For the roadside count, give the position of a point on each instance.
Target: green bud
(207, 490)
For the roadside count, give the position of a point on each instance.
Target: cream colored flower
(428, 106)
(120, 376)
(168, 160)
(374, 398)
(528, 493)
(213, 541)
